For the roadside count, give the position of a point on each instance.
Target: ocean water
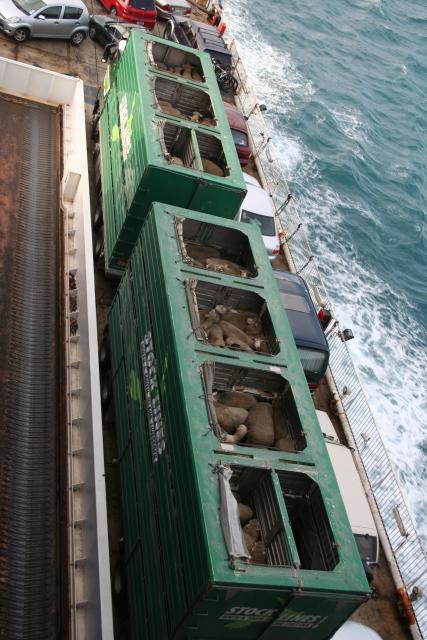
(345, 83)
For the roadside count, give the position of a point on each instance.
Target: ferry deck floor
(85, 62)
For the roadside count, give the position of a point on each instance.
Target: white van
(352, 492)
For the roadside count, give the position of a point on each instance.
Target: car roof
(236, 119)
(305, 326)
(69, 3)
(257, 199)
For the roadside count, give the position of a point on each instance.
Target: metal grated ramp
(30, 370)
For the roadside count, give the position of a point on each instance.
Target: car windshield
(240, 138)
(313, 361)
(29, 6)
(148, 5)
(264, 223)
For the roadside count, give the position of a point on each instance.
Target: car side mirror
(41, 17)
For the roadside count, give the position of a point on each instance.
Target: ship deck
(380, 612)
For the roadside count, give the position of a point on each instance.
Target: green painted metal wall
(135, 169)
(181, 582)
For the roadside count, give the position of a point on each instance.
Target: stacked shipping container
(164, 135)
(187, 565)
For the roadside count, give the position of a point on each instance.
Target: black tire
(21, 35)
(105, 354)
(77, 38)
(98, 219)
(106, 390)
(98, 244)
(113, 11)
(92, 32)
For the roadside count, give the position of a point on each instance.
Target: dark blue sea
(345, 83)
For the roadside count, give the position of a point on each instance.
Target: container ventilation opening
(252, 407)
(172, 60)
(184, 101)
(212, 154)
(254, 489)
(309, 522)
(220, 249)
(214, 307)
(178, 145)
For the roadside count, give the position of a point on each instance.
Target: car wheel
(77, 38)
(92, 32)
(21, 35)
(113, 11)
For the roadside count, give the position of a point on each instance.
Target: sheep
(253, 326)
(236, 343)
(167, 107)
(251, 533)
(225, 266)
(285, 444)
(162, 66)
(260, 424)
(177, 160)
(234, 333)
(245, 513)
(229, 418)
(240, 318)
(208, 122)
(238, 435)
(215, 336)
(186, 71)
(202, 252)
(196, 117)
(210, 318)
(212, 167)
(196, 75)
(176, 70)
(258, 553)
(280, 426)
(237, 399)
(259, 343)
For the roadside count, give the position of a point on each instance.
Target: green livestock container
(187, 566)
(163, 137)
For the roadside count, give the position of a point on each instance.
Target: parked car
(167, 8)
(257, 208)
(107, 30)
(198, 35)
(353, 494)
(239, 131)
(23, 19)
(141, 11)
(307, 331)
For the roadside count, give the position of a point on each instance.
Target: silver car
(23, 19)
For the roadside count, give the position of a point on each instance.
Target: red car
(141, 11)
(240, 134)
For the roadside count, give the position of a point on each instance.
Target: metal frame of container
(185, 583)
(138, 139)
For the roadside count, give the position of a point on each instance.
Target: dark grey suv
(198, 35)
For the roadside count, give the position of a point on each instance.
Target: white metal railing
(404, 541)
